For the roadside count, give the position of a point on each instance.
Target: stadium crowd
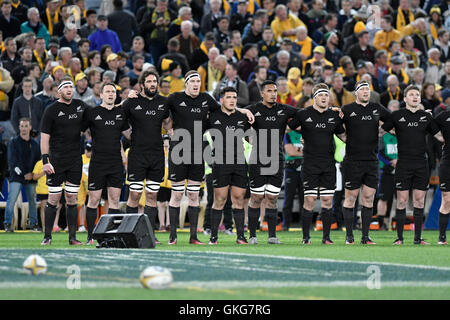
(240, 44)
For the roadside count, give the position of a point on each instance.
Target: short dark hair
(410, 88)
(39, 38)
(8, 39)
(136, 57)
(32, 66)
(122, 55)
(162, 80)
(267, 83)
(92, 54)
(147, 73)
(83, 41)
(107, 83)
(387, 18)
(5, 2)
(233, 65)
(327, 67)
(210, 36)
(90, 11)
(359, 35)
(227, 89)
(27, 79)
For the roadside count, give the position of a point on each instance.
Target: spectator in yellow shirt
(164, 88)
(285, 24)
(176, 81)
(83, 191)
(386, 34)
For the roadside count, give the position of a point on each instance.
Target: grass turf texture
(227, 271)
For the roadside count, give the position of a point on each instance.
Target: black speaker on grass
(124, 231)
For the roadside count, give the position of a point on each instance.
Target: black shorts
(257, 179)
(103, 175)
(41, 197)
(412, 175)
(318, 175)
(386, 189)
(66, 172)
(181, 172)
(444, 176)
(164, 194)
(358, 173)
(230, 175)
(144, 166)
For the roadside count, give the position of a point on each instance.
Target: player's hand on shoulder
(339, 110)
(133, 94)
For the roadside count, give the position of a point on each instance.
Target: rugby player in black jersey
(318, 125)
(107, 123)
(443, 121)
(266, 160)
(146, 114)
(411, 126)
(229, 169)
(61, 156)
(362, 120)
(189, 110)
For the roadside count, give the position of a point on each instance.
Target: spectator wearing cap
(403, 16)
(303, 43)
(317, 61)
(434, 68)
(34, 25)
(248, 62)
(393, 91)
(68, 39)
(113, 65)
(91, 24)
(58, 72)
(104, 36)
(172, 47)
(362, 50)
(211, 72)
(255, 34)
(294, 81)
(241, 18)
(222, 33)
(387, 34)
(175, 79)
(268, 46)
(188, 41)
(442, 43)
(397, 69)
(352, 38)
(200, 55)
(341, 95)
(285, 24)
(82, 90)
(124, 24)
(316, 15)
(9, 24)
(332, 53)
(231, 79)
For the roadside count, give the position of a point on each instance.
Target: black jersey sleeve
(295, 122)
(126, 108)
(85, 122)
(388, 124)
(339, 125)
(433, 126)
(47, 121)
(289, 110)
(212, 104)
(384, 113)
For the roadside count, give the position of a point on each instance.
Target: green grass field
(228, 271)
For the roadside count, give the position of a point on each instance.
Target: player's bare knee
(272, 202)
(256, 199)
(71, 199)
(309, 203)
(327, 202)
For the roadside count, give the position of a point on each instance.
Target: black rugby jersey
(232, 128)
(443, 121)
(411, 129)
(362, 126)
(317, 129)
(106, 129)
(63, 123)
(146, 117)
(269, 120)
(187, 112)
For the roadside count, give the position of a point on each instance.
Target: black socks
(271, 217)
(239, 218)
(91, 216)
(400, 217)
(193, 220)
(131, 209)
(418, 221)
(49, 217)
(327, 216)
(366, 219)
(151, 213)
(348, 221)
(72, 220)
(174, 214)
(306, 222)
(216, 217)
(253, 217)
(443, 222)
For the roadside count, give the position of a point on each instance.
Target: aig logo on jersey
(271, 118)
(110, 123)
(150, 112)
(413, 124)
(196, 110)
(321, 125)
(73, 116)
(367, 118)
